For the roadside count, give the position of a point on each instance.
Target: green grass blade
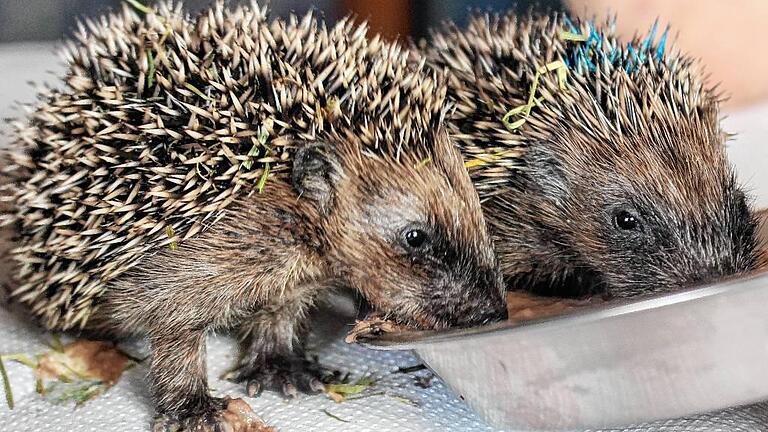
(6, 385)
(334, 416)
(197, 91)
(263, 179)
(151, 71)
(570, 36)
(141, 7)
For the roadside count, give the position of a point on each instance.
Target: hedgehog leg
(273, 352)
(180, 388)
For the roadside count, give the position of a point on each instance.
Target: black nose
(710, 272)
(491, 309)
(496, 309)
(482, 317)
(475, 299)
(496, 315)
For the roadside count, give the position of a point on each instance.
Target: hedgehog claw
(316, 385)
(253, 388)
(289, 376)
(289, 390)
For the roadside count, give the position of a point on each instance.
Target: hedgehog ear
(547, 172)
(316, 172)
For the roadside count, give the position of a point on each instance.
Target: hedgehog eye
(626, 220)
(415, 238)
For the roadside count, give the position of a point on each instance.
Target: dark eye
(415, 238)
(626, 220)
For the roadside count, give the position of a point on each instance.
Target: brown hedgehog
(225, 171)
(601, 166)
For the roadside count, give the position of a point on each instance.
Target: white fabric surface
(126, 407)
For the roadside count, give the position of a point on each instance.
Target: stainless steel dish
(661, 358)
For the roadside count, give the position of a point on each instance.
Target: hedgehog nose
(496, 305)
(481, 316)
(490, 316)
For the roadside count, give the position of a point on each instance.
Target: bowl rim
(725, 287)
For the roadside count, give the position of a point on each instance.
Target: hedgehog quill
(601, 165)
(227, 170)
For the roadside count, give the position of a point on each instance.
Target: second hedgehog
(601, 166)
(228, 170)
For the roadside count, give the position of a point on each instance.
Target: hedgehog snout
(476, 300)
(710, 270)
(493, 306)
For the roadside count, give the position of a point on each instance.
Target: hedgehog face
(615, 178)
(650, 246)
(409, 235)
(647, 214)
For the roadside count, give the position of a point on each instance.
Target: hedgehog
(226, 171)
(600, 164)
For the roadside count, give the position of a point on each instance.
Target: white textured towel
(126, 406)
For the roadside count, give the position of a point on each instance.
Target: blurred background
(25, 20)
(725, 35)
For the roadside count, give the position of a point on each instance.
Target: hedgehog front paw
(287, 375)
(225, 415)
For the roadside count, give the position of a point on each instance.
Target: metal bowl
(666, 357)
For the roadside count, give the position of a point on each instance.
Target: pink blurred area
(728, 37)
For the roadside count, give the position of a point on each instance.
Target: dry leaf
(372, 327)
(83, 359)
(76, 372)
(240, 418)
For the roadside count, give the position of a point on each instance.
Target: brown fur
(266, 261)
(636, 136)
(359, 158)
